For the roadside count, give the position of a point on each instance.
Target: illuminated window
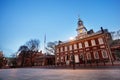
(70, 47)
(65, 48)
(96, 55)
(88, 56)
(100, 40)
(93, 42)
(104, 54)
(80, 45)
(75, 46)
(86, 44)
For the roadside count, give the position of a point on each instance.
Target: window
(75, 46)
(61, 49)
(61, 58)
(76, 58)
(104, 54)
(70, 47)
(57, 58)
(100, 40)
(57, 50)
(86, 44)
(81, 57)
(65, 48)
(80, 45)
(93, 42)
(96, 55)
(88, 56)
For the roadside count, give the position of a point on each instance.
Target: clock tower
(81, 30)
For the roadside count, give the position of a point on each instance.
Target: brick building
(86, 47)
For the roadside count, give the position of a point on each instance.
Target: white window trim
(100, 40)
(61, 49)
(80, 45)
(86, 44)
(81, 54)
(105, 54)
(70, 47)
(88, 55)
(65, 48)
(95, 55)
(75, 46)
(93, 42)
(57, 50)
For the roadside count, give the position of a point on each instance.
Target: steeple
(81, 30)
(80, 22)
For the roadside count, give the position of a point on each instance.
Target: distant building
(86, 47)
(36, 58)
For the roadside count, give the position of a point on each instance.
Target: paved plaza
(59, 74)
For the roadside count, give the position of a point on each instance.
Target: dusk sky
(22, 20)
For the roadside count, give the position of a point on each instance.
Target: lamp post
(73, 60)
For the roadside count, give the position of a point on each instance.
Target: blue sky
(22, 20)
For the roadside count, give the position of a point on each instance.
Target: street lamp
(73, 60)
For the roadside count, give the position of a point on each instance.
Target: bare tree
(3, 60)
(33, 44)
(112, 34)
(23, 51)
(50, 49)
(118, 34)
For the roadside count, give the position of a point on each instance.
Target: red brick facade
(90, 48)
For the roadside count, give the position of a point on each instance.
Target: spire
(81, 30)
(80, 22)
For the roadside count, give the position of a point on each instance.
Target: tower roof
(80, 22)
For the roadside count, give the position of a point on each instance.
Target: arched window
(104, 54)
(81, 56)
(61, 58)
(96, 55)
(88, 55)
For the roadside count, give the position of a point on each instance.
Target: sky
(22, 20)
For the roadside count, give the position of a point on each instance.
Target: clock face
(80, 31)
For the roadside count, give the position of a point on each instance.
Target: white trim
(70, 47)
(86, 44)
(104, 54)
(93, 42)
(61, 49)
(65, 48)
(75, 46)
(100, 40)
(80, 45)
(76, 58)
(88, 55)
(96, 55)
